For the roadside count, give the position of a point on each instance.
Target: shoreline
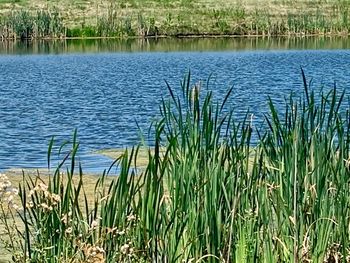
(182, 36)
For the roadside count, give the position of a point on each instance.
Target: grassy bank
(207, 193)
(136, 18)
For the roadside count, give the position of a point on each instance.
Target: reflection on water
(171, 44)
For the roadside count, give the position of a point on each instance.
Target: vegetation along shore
(35, 19)
(210, 189)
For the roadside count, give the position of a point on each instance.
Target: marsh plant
(26, 25)
(214, 190)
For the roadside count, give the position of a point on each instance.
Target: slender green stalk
(214, 189)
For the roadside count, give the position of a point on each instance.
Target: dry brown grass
(16, 178)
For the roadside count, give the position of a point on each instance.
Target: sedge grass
(209, 192)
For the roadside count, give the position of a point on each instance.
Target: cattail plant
(214, 189)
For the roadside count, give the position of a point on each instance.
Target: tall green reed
(214, 189)
(27, 25)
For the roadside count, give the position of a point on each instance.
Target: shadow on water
(172, 44)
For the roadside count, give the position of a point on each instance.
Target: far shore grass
(185, 18)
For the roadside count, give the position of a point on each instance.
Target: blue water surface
(104, 95)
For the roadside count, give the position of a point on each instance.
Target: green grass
(209, 193)
(132, 18)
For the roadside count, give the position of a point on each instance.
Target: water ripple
(104, 95)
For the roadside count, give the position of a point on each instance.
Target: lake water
(103, 88)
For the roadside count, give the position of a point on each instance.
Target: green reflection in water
(171, 44)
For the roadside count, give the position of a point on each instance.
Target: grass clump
(213, 190)
(26, 25)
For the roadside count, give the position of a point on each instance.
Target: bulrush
(213, 190)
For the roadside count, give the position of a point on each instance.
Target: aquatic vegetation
(26, 25)
(209, 192)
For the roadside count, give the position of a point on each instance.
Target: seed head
(94, 224)
(125, 249)
(131, 218)
(69, 230)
